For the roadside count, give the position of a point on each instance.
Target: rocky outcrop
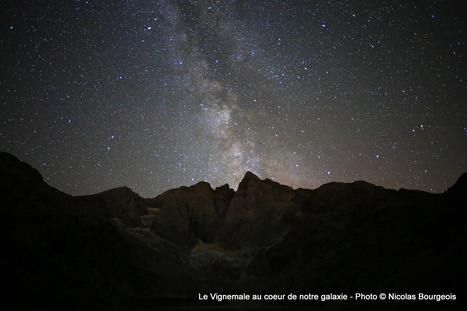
(222, 197)
(459, 189)
(189, 214)
(255, 214)
(357, 235)
(122, 203)
(65, 253)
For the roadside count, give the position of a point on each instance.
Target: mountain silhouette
(116, 250)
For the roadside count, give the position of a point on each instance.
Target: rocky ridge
(123, 251)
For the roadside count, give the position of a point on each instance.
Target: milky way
(158, 94)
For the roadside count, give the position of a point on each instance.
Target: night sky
(157, 94)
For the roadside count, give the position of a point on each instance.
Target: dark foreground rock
(60, 252)
(93, 252)
(121, 203)
(187, 215)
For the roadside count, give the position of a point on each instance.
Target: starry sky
(157, 94)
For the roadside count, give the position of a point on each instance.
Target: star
(155, 95)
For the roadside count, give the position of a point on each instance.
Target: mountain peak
(202, 184)
(460, 186)
(17, 170)
(249, 176)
